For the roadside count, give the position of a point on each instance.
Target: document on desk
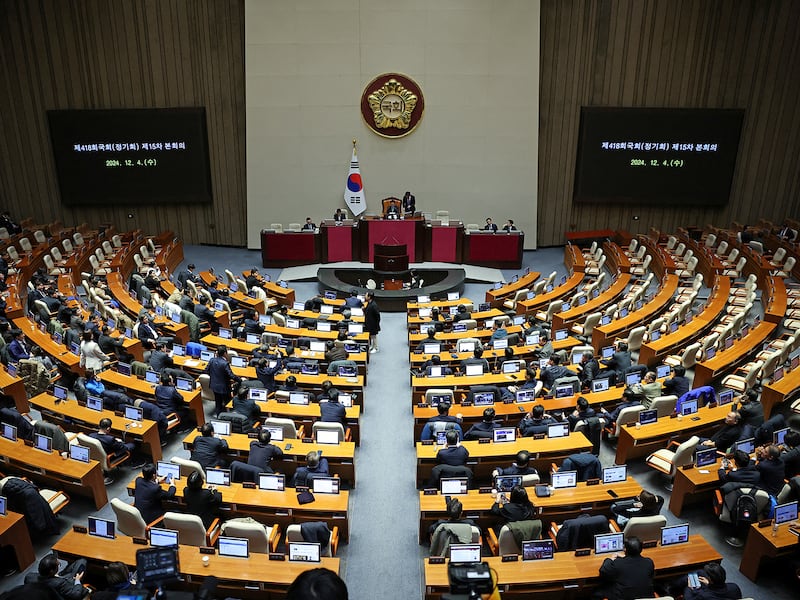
(703, 471)
(191, 363)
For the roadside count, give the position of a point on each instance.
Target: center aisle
(383, 553)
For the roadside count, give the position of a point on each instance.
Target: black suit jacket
(147, 497)
(208, 450)
(202, 502)
(628, 577)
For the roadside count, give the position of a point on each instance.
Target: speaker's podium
(391, 263)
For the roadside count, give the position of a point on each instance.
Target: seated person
(325, 391)
(627, 576)
(67, 584)
(309, 225)
(499, 331)
(453, 454)
(713, 586)
(475, 359)
(517, 508)
(536, 422)
(392, 211)
(331, 410)
(201, 501)
(770, 466)
(651, 388)
(485, 428)
(247, 407)
(529, 383)
(646, 504)
(148, 493)
(744, 470)
(259, 459)
(315, 466)
(266, 369)
(509, 226)
(520, 466)
(455, 516)
(290, 385)
(582, 412)
(619, 362)
(461, 313)
(791, 454)
(490, 225)
(436, 361)
(751, 410)
(726, 435)
(589, 369)
(207, 449)
(629, 399)
(430, 339)
(112, 446)
(205, 314)
(678, 384)
(554, 370)
(441, 422)
(169, 399)
(334, 352)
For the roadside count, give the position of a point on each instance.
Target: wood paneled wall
(673, 53)
(123, 54)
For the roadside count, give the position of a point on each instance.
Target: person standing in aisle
(372, 321)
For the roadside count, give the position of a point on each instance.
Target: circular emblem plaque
(392, 105)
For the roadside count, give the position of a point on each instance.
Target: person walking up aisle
(372, 321)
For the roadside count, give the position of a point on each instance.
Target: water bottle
(774, 528)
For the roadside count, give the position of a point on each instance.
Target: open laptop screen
(271, 481)
(304, 552)
(615, 474)
(537, 549)
(608, 542)
(558, 430)
(785, 513)
(703, 458)
(79, 453)
(165, 468)
(662, 371)
(42, 442)
(675, 534)
(453, 486)
(163, 537)
(483, 398)
(565, 479)
(325, 485)
(504, 434)
(101, 528)
(218, 476)
(473, 370)
(94, 403)
(233, 546)
(184, 385)
(134, 413)
(689, 407)
(465, 553)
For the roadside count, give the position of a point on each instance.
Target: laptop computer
(465, 553)
(79, 453)
(615, 474)
(94, 403)
(221, 427)
(538, 550)
(326, 436)
(325, 485)
(304, 552)
(274, 482)
(703, 458)
(474, 370)
(483, 398)
(504, 434)
(605, 543)
(564, 479)
(134, 413)
(216, 476)
(101, 528)
(163, 537)
(165, 468)
(233, 546)
(43, 442)
(648, 416)
(557, 430)
(675, 534)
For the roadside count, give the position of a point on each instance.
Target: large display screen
(131, 156)
(657, 155)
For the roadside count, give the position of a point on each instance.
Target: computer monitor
(253, 338)
(689, 407)
(563, 391)
(43, 442)
(623, 312)
(425, 312)
(309, 368)
(777, 375)
(435, 371)
(607, 352)
(500, 344)
(9, 432)
(292, 324)
(633, 378)
(561, 335)
(79, 453)
(327, 436)
(675, 534)
(178, 350)
(225, 333)
(221, 427)
(274, 482)
(453, 296)
(264, 320)
(465, 553)
(564, 479)
(134, 413)
(778, 436)
(423, 299)
(101, 528)
(431, 348)
(525, 395)
(240, 362)
(725, 397)
(124, 369)
(565, 306)
(482, 307)
(532, 339)
(497, 285)
(326, 309)
(784, 513)
(728, 342)
(453, 486)
(466, 347)
(298, 398)
(557, 430)
(304, 552)
(577, 358)
(355, 328)
(57, 337)
(518, 320)
(3, 506)
(655, 335)
(346, 400)
(94, 403)
(165, 468)
(511, 366)
(184, 385)
(543, 363)
(747, 445)
(60, 392)
(673, 327)
(257, 394)
(298, 305)
(600, 385)
(615, 474)
(662, 371)
(75, 348)
(483, 398)
(605, 543)
(352, 347)
(605, 319)
(703, 458)
(163, 537)
(648, 416)
(538, 550)
(275, 432)
(505, 483)
(504, 434)
(316, 346)
(711, 352)
(151, 377)
(323, 326)
(474, 370)
(216, 476)
(233, 546)
(325, 485)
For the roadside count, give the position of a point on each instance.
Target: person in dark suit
(589, 369)
(730, 432)
(205, 314)
(490, 225)
(520, 466)
(392, 212)
(770, 466)
(518, 508)
(713, 585)
(332, 411)
(791, 454)
(536, 421)
(628, 576)
(554, 370)
(200, 501)
(111, 445)
(66, 585)
(339, 215)
(207, 449)
(246, 406)
(453, 454)
(316, 466)
(169, 399)
(309, 225)
(18, 349)
(441, 422)
(148, 493)
(509, 226)
(409, 203)
(187, 274)
(113, 346)
(475, 359)
(353, 301)
(751, 409)
(372, 321)
(678, 384)
(262, 452)
(483, 429)
(582, 412)
(462, 314)
(619, 362)
(745, 471)
(221, 379)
